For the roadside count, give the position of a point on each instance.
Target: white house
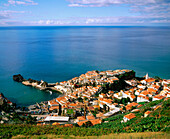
(141, 98)
(137, 92)
(147, 113)
(120, 95)
(128, 117)
(59, 87)
(157, 97)
(141, 86)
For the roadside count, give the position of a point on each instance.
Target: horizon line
(88, 26)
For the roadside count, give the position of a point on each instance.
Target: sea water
(55, 54)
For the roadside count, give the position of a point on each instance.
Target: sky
(84, 12)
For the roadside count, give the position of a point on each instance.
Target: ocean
(56, 54)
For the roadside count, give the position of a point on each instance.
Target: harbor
(41, 85)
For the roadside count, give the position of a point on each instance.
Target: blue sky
(84, 12)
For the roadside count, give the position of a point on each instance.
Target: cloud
(141, 6)
(20, 2)
(12, 23)
(8, 14)
(101, 3)
(147, 8)
(151, 12)
(124, 20)
(115, 21)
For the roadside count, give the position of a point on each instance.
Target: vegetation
(157, 78)
(158, 120)
(5, 107)
(127, 75)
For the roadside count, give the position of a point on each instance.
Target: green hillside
(157, 121)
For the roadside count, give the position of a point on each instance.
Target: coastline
(110, 54)
(96, 97)
(41, 85)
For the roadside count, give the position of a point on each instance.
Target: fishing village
(94, 96)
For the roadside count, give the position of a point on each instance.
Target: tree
(150, 99)
(104, 107)
(127, 99)
(80, 99)
(31, 120)
(133, 107)
(94, 84)
(124, 100)
(87, 124)
(157, 78)
(85, 98)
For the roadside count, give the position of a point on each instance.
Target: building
(58, 119)
(128, 117)
(147, 113)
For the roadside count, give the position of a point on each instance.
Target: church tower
(147, 76)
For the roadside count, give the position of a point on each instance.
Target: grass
(143, 135)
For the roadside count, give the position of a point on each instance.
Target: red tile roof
(130, 116)
(81, 118)
(90, 117)
(82, 122)
(96, 121)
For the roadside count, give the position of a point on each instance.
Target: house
(82, 122)
(102, 95)
(90, 117)
(55, 123)
(53, 103)
(96, 121)
(120, 95)
(135, 110)
(128, 117)
(99, 115)
(110, 113)
(52, 108)
(157, 107)
(9, 102)
(157, 97)
(155, 87)
(137, 92)
(110, 73)
(53, 119)
(61, 88)
(140, 105)
(144, 93)
(81, 118)
(132, 97)
(140, 86)
(102, 73)
(142, 98)
(147, 113)
(146, 81)
(166, 99)
(168, 95)
(165, 82)
(152, 91)
(129, 106)
(131, 82)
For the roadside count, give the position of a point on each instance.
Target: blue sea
(57, 54)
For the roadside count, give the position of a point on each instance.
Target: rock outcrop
(1, 99)
(18, 78)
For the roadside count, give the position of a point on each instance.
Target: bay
(57, 54)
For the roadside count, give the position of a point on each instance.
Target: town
(96, 95)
